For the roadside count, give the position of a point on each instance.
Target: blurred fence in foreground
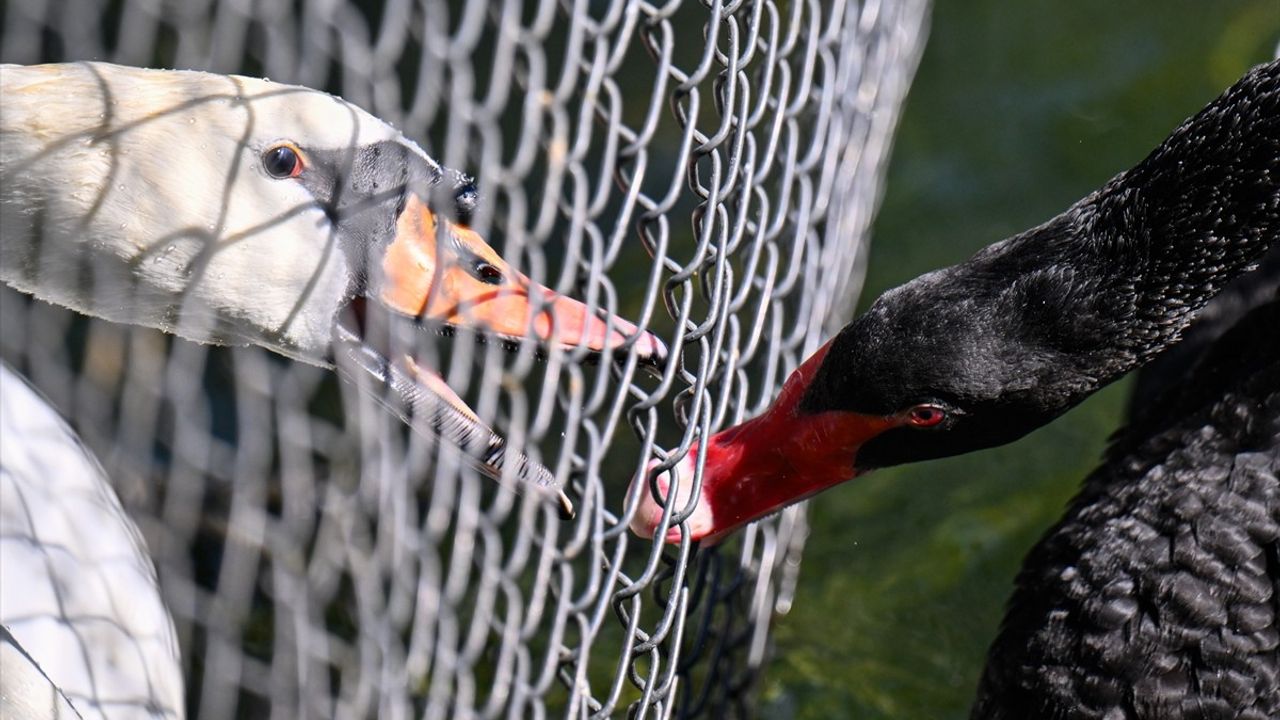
(708, 169)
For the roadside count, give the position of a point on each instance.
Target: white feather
(77, 587)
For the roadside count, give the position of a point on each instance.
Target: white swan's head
(229, 209)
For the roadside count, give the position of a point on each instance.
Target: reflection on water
(1018, 110)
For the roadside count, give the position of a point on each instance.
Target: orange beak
(438, 272)
(451, 276)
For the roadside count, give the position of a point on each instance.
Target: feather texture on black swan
(1158, 594)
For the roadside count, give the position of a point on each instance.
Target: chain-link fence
(707, 170)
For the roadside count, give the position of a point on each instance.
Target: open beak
(424, 400)
(439, 273)
(755, 468)
(455, 279)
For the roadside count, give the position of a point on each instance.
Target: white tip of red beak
(648, 515)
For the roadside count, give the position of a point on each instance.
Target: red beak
(758, 467)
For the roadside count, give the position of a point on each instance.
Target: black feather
(1158, 594)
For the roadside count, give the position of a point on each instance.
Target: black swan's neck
(1166, 373)
(1114, 280)
(1203, 207)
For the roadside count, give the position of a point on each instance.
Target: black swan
(1157, 595)
(981, 353)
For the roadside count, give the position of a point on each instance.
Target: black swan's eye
(926, 416)
(282, 161)
(488, 273)
(465, 199)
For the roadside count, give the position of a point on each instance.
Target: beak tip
(651, 352)
(656, 350)
(567, 511)
(648, 514)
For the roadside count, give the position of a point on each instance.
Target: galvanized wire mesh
(706, 169)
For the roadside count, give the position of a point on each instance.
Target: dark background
(1018, 110)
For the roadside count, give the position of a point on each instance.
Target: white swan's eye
(282, 161)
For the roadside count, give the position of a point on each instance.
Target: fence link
(705, 169)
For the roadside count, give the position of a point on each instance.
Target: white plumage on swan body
(77, 587)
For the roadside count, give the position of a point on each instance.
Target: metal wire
(706, 169)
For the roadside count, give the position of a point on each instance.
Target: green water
(1019, 109)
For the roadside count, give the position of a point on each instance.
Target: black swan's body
(1156, 597)
(1158, 594)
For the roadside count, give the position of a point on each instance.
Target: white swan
(25, 691)
(77, 587)
(226, 209)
